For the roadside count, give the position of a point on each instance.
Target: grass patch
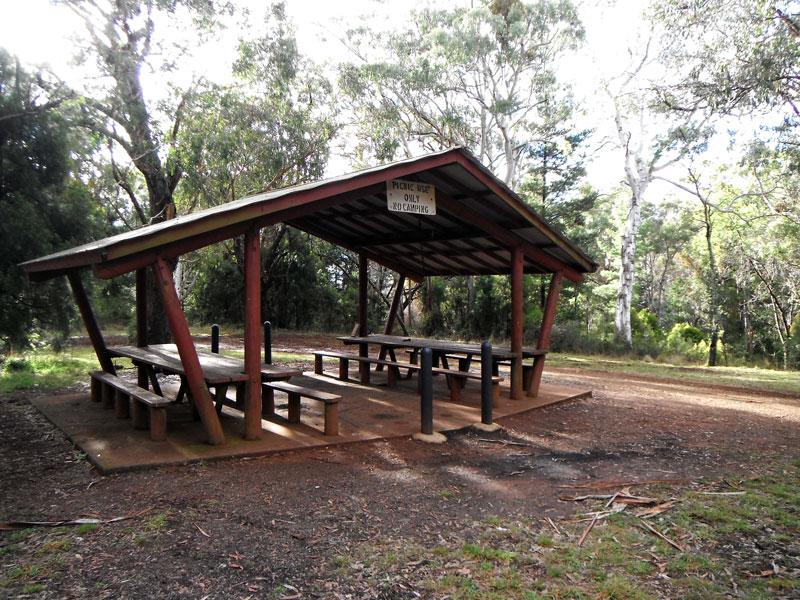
(505, 558)
(47, 370)
(745, 377)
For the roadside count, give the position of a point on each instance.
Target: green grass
(507, 558)
(47, 370)
(746, 377)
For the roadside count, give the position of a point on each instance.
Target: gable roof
(478, 220)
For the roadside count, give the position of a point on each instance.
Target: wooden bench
(392, 371)
(129, 399)
(295, 392)
(455, 379)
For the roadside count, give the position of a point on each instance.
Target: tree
(482, 77)
(42, 207)
(121, 38)
(650, 141)
(269, 129)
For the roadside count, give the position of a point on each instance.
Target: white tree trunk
(627, 270)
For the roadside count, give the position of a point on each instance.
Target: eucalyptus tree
(483, 77)
(269, 128)
(120, 40)
(651, 141)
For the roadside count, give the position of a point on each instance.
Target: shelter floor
(366, 413)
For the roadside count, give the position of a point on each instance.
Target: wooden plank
(284, 386)
(90, 322)
(252, 333)
(517, 280)
(188, 354)
(131, 389)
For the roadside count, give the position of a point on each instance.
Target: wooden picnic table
(438, 347)
(217, 369)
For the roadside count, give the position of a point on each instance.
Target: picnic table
(218, 371)
(441, 350)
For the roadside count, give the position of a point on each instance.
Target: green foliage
(43, 207)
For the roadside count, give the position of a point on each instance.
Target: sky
(40, 32)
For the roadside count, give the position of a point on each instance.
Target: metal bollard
(268, 342)
(215, 338)
(426, 391)
(486, 383)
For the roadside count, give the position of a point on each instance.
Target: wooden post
(139, 410)
(517, 264)
(392, 317)
(187, 352)
(90, 322)
(543, 343)
(363, 349)
(252, 333)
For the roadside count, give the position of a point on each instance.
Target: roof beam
(506, 237)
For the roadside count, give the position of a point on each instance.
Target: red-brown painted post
(517, 264)
(252, 333)
(141, 320)
(392, 317)
(363, 349)
(543, 343)
(90, 322)
(187, 352)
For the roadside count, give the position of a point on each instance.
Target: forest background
(661, 139)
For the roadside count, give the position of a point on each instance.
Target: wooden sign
(411, 197)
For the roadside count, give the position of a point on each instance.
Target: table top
(216, 368)
(397, 341)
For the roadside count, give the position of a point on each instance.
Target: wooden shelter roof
(478, 220)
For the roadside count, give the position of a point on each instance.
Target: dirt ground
(271, 527)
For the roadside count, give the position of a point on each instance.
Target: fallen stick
(504, 442)
(9, 525)
(553, 525)
(723, 493)
(660, 535)
(586, 531)
(604, 485)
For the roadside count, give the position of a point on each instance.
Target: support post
(141, 325)
(187, 352)
(268, 342)
(543, 343)
(426, 392)
(392, 316)
(215, 338)
(252, 333)
(517, 264)
(90, 322)
(486, 383)
(363, 349)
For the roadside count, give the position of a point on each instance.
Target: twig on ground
(200, 529)
(503, 442)
(660, 535)
(586, 531)
(553, 525)
(723, 493)
(9, 525)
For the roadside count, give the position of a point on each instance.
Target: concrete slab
(365, 413)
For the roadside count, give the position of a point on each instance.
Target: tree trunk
(622, 321)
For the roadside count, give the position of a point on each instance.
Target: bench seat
(129, 399)
(295, 393)
(455, 378)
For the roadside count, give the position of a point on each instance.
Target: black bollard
(426, 391)
(215, 338)
(268, 342)
(486, 383)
